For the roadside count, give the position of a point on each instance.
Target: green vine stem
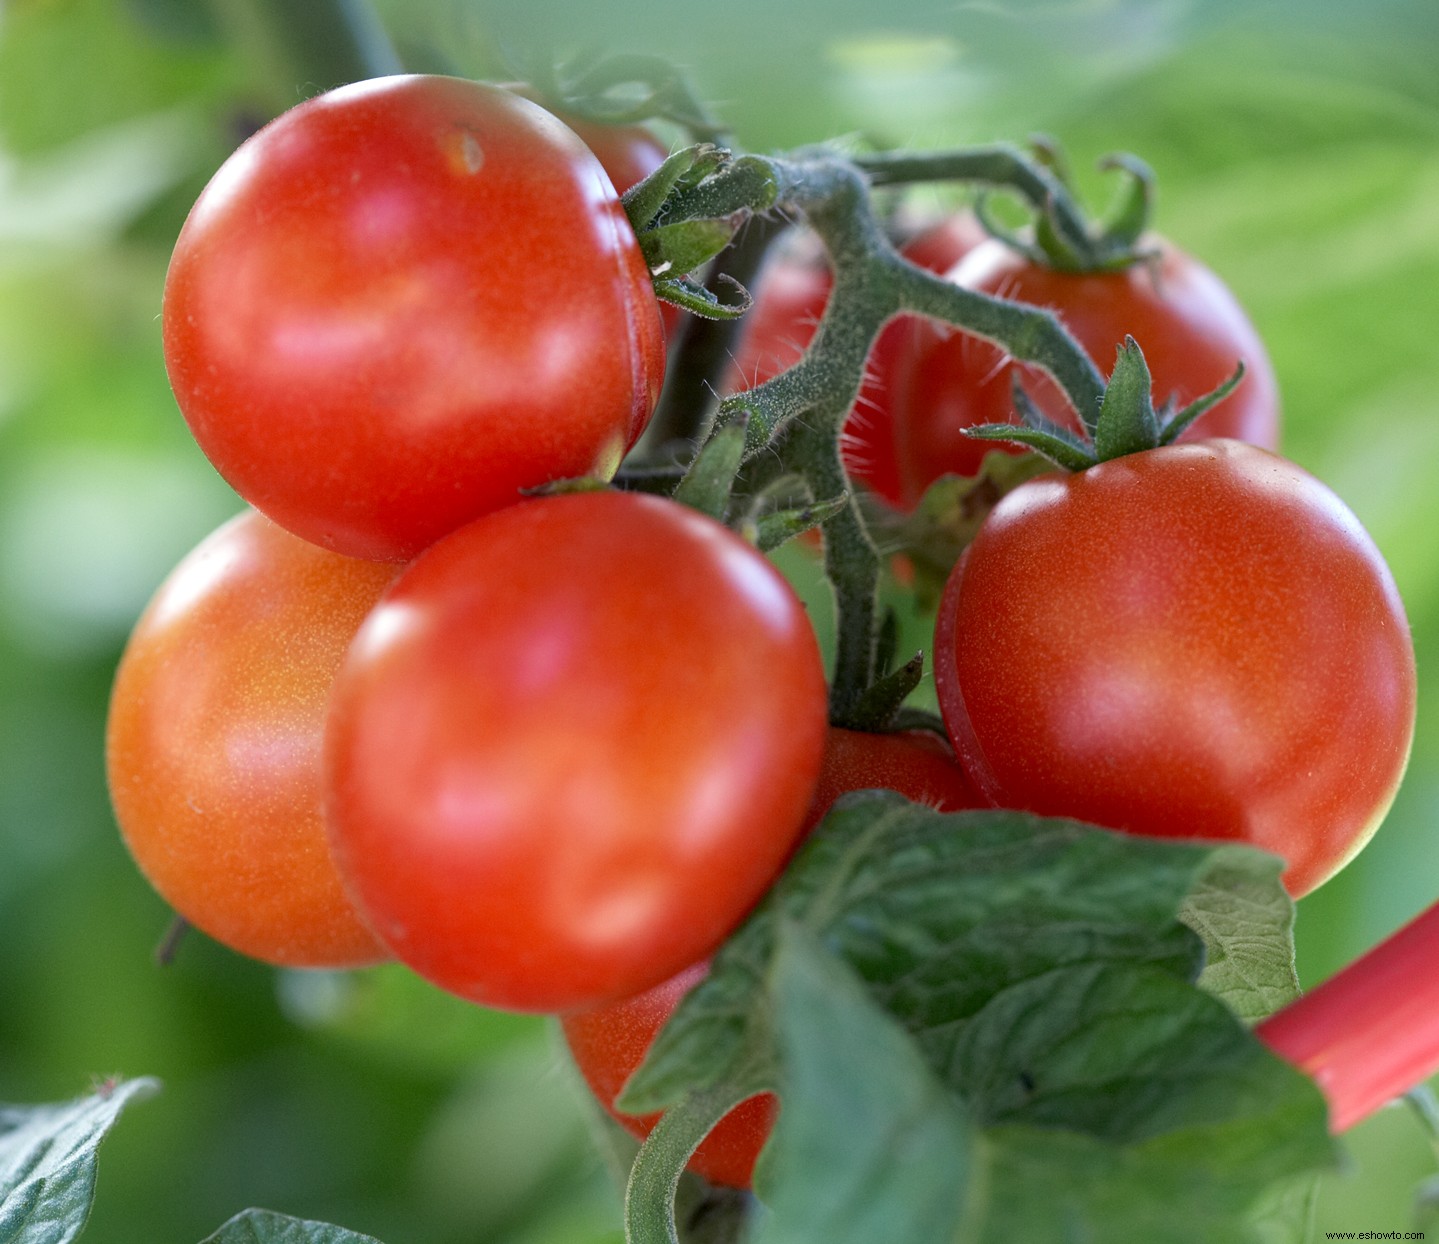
(655, 1177)
(1000, 165)
(794, 419)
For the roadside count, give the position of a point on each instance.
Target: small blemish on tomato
(462, 149)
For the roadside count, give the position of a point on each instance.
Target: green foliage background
(1297, 146)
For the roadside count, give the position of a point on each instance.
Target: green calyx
(1127, 423)
(687, 211)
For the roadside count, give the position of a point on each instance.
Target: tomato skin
(916, 763)
(571, 748)
(608, 1043)
(1198, 641)
(1188, 324)
(214, 741)
(400, 303)
(791, 296)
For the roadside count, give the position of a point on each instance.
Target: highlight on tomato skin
(1197, 641)
(214, 740)
(572, 747)
(608, 1043)
(1190, 326)
(401, 303)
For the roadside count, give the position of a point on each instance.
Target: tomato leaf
(47, 1162)
(937, 912)
(1046, 979)
(1247, 922)
(897, 1130)
(263, 1226)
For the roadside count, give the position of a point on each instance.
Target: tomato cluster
(550, 750)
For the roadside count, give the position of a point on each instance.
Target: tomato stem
(655, 1176)
(1371, 1032)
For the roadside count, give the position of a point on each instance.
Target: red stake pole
(1371, 1032)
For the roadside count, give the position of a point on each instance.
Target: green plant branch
(654, 1179)
(1001, 165)
(796, 416)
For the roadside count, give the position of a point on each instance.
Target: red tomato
(1196, 642)
(914, 762)
(610, 1042)
(572, 747)
(790, 299)
(215, 736)
(1186, 321)
(402, 302)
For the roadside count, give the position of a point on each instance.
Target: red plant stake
(1371, 1032)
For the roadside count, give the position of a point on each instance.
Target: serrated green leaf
(1053, 1187)
(263, 1226)
(1042, 972)
(47, 1162)
(1123, 1052)
(1246, 919)
(886, 1159)
(937, 912)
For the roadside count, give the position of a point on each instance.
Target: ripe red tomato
(790, 299)
(914, 762)
(572, 747)
(609, 1042)
(1198, 642)
(1186, 321)
(214, 743)
(402, 302)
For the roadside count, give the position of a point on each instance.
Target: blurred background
(1297, 147)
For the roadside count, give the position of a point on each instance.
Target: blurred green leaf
(262, 1226)
(47, 1162)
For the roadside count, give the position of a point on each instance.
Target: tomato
(214, 741)
(790, 298)
(572, 747)
(916, 763)
(404, 301)
(609, 1043)
(1188, 324)
(1197, 641)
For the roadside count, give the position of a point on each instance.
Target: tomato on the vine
(214, 741)
(401, 303)
(1197, 641)
(1191, 329)
(608, 1043)
(571, 748)
(790, 298)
